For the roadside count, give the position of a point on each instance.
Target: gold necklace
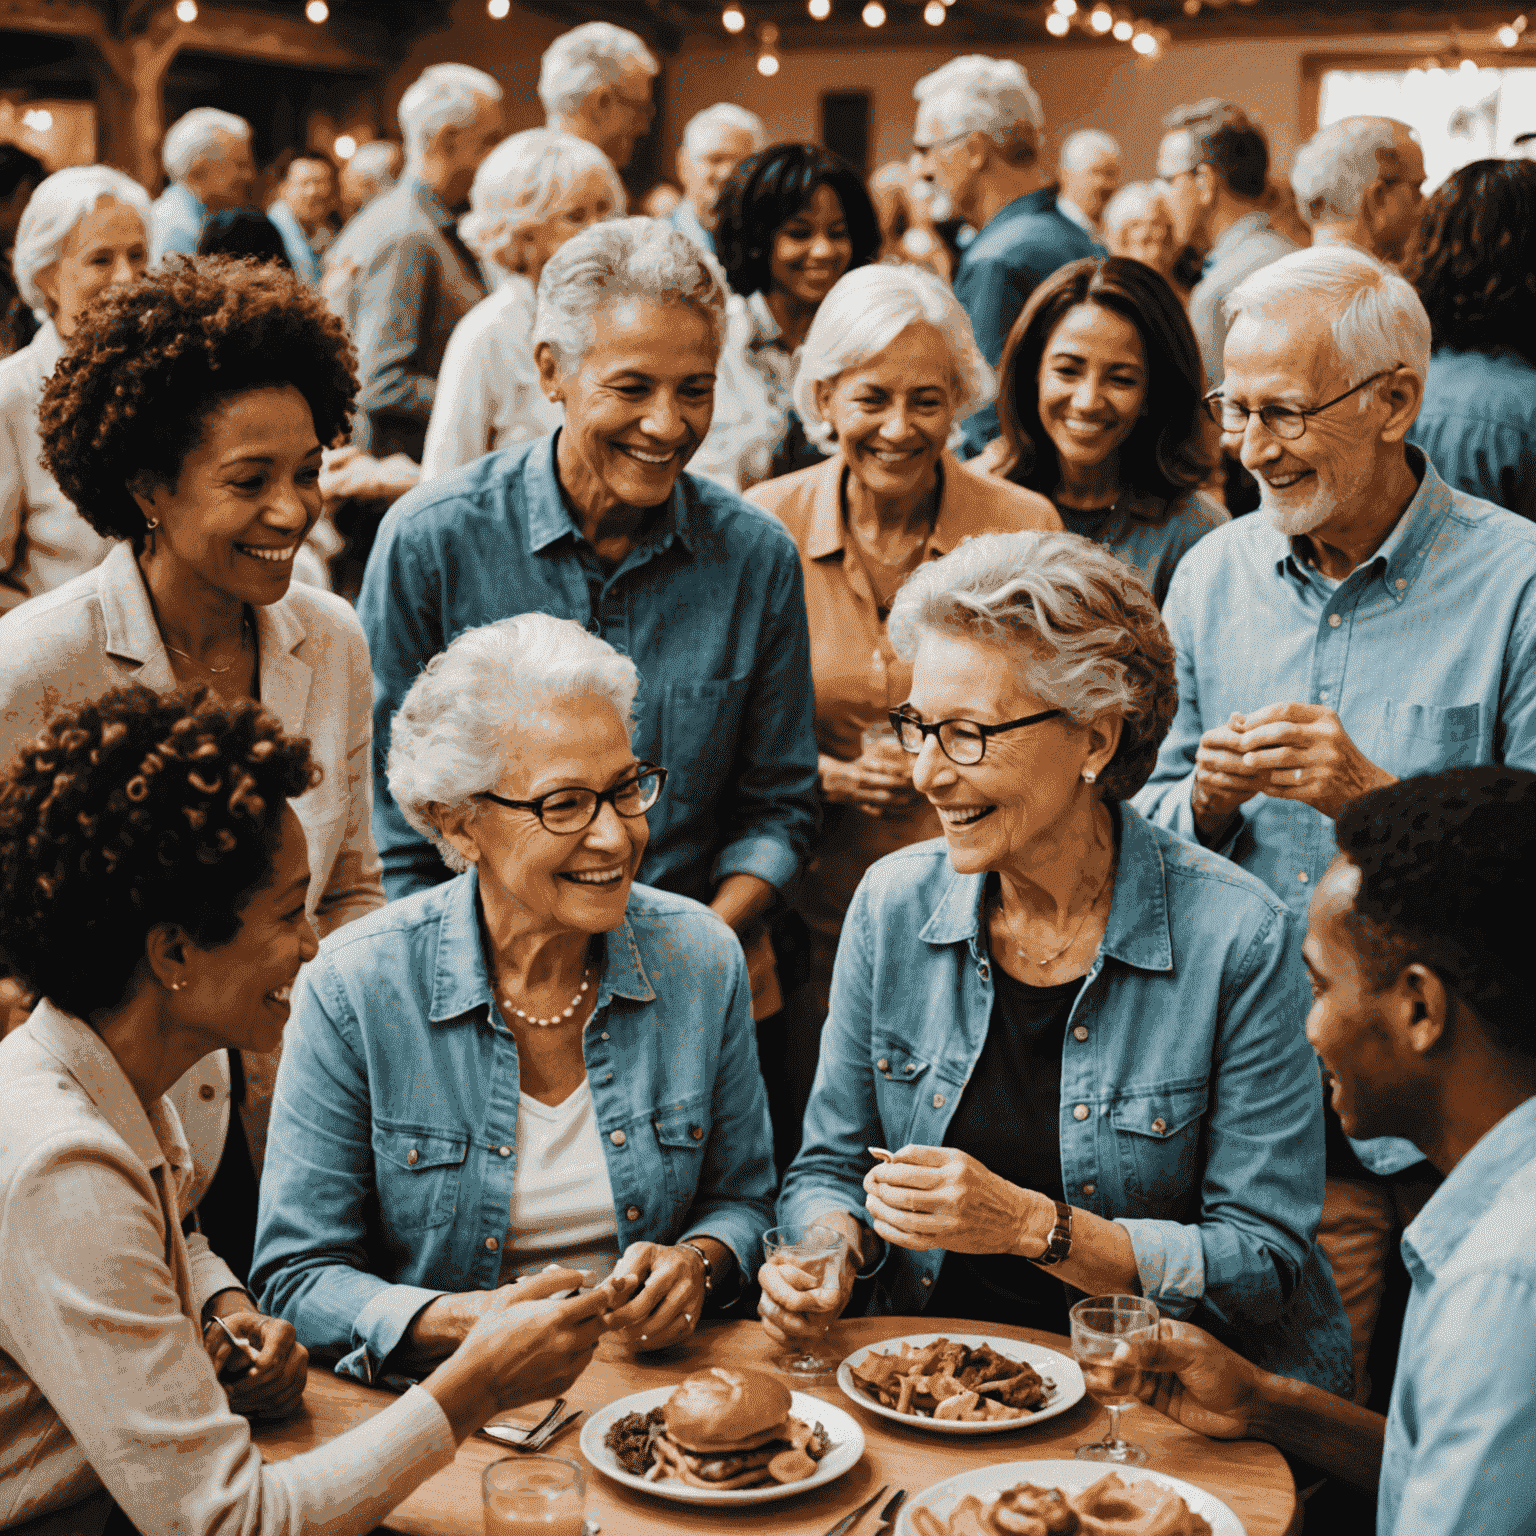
(245, 630)
(1082, 922)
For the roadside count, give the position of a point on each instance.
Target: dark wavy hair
(129, 812)
(1167, 452)
(244, 232)
(149, 360)
(1447, 867)
(767, 191)
(1473, 258)
(1228, 141)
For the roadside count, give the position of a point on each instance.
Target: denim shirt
(1191, 1106)
(1460, 1451)
(709, 605)
(1427, 652)
(392, 1148)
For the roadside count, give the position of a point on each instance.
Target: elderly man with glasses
(1370, 624)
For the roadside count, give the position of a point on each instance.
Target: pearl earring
(1089, 776)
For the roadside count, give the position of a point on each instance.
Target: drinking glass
(1099, 1325)
(816, 1252)
(533, 1496)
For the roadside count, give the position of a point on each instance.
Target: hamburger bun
(726, 1408)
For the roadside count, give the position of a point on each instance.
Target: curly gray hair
(1085, 634)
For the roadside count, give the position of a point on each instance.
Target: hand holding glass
(1099, 1325)
(533, 1496)
(810, 1258)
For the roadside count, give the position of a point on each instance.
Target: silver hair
(56, 207)
(199, 135)
(441, 96)
(864, 313)
(1333, 169)
(703, 126)
(1136, 201)
(634, 258)
(1079, 150)
(373, 161)
(1378, 321)
(446, 742)
(586, 58)
(977, 94)
(1082, 632)
(523, 178)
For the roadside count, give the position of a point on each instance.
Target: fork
(503, 1434)
(535, 1441)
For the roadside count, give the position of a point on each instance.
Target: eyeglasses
(1286, 422)
(961, 741)
(564, 811)
(954, 138)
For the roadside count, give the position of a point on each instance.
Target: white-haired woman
(1077, 1031)
(890, 365)
(85, 229)
(1139, 224)
(530, 195)
(539, 1061)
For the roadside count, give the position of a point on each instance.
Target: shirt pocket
(901, 1077)
(701, 723)
(418, 1174)
(1159, 1138)
(1425, 738)
(682, 1135)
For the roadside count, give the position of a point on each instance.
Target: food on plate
(1109, 1507)
(952, 1381)
(722, 1428)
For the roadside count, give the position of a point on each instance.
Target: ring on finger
(1298, 775)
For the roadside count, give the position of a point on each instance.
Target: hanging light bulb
(1122, 31)
(345, 147)
(767, 64)
(186, 10)
(317, 11)
(1468, 66)
(498, 10)
(732, 19)
(819, 9)
(874, 14)
(1064, 7)
(1057, 24)
(1144, 43)
(934, 13)
(1507, 36)
(1100, 20)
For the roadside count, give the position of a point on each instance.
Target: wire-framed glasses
(1287, 422)
(575, 809)
(961, 741)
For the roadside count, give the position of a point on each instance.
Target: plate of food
(961, 1383)
(1066, 1498)
(725, 1435)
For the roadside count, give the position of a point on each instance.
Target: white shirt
(104, 1380)
(562, 1201)
(488, 393)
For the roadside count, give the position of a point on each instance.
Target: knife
(893, 1504)
(848, 1522)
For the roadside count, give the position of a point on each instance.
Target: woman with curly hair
(157, 834)
(1473, 262)
(1099, 402)
(186, 421)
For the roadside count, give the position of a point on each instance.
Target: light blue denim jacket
(1191, 1106)
(391, 1152)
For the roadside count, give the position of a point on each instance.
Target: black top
(1008, 1119)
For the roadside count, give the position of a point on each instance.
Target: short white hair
(864, 313)
(523, 178)
(446, 743)
(1333, 169)
(1136, 201)
(56, 207)
(374, 162)
(199, 135)
(634, 258)
(1378, 321)
(977, 94)
(704, 127)
(1079, 150)
(586, 58)
(441, 96)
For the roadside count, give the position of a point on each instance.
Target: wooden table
(1250, 1476)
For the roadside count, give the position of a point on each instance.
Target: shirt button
(1088, 1189)
(1334, 621)
(505, 1151)
(1401, 583)
(491, 1245)
(1080, 1032)
(911, 1066)
(697, 1132)
(205, 1092)
(983, 971)
(883, 1065)
(412, 1157)
(632, 1213)
(1159, 1125)
(617, 1138)
(1081, 1112)
(1302, 877)
(1322, 697)
(927, 1281)
(605, 1034)
(938, 1101)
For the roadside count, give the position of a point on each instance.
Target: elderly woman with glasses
(539, 1061)
(1078, 1034)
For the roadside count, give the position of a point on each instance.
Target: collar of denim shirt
(461, 984)
(1136, 932)
(536, 495)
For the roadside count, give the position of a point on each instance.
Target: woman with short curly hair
(186, 421)
(1077, 1032)
(1473, 262)
(152, 889)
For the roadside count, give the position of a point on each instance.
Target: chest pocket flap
(895, 1062)
(1161, 1113)
(418, 1175)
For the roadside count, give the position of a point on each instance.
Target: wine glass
(1099, 1325)
(816, 1252)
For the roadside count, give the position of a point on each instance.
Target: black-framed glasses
(575, 809)
(1287, 422)
(961, 741)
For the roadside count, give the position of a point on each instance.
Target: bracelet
(1059, 1244)
(709, 1269)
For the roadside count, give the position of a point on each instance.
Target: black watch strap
(1059, 1244)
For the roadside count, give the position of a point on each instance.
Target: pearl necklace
(554, 1018)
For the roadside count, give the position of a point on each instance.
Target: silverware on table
(235, 1339)
(534, 1440)
(513, 1434)
(892, 1505)
(847, 1523)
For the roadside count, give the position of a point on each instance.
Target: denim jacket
(392, 1148)
(1191, 1105)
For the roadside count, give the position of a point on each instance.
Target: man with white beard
(1367, 624)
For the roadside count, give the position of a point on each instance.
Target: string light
(934, 13)
(1121, 32)
(1101, 21)
(317, 11)
(345, 147)
(1057, 24)
(498, 10)
(819, 9)
(186, 10)
(38, 119)
(732, 19)
(874, 14)
(1144, 43)
(767, 64)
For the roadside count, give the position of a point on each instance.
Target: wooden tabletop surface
(1250, 1476)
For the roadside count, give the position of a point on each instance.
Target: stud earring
(176, 986)
(1089, 776)
(151, 523)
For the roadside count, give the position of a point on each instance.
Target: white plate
(1061, 1369)
(1071, 1477)
(842, 1429)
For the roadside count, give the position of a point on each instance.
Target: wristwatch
(1059, 1244)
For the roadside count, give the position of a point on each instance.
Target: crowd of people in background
(533, 736)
